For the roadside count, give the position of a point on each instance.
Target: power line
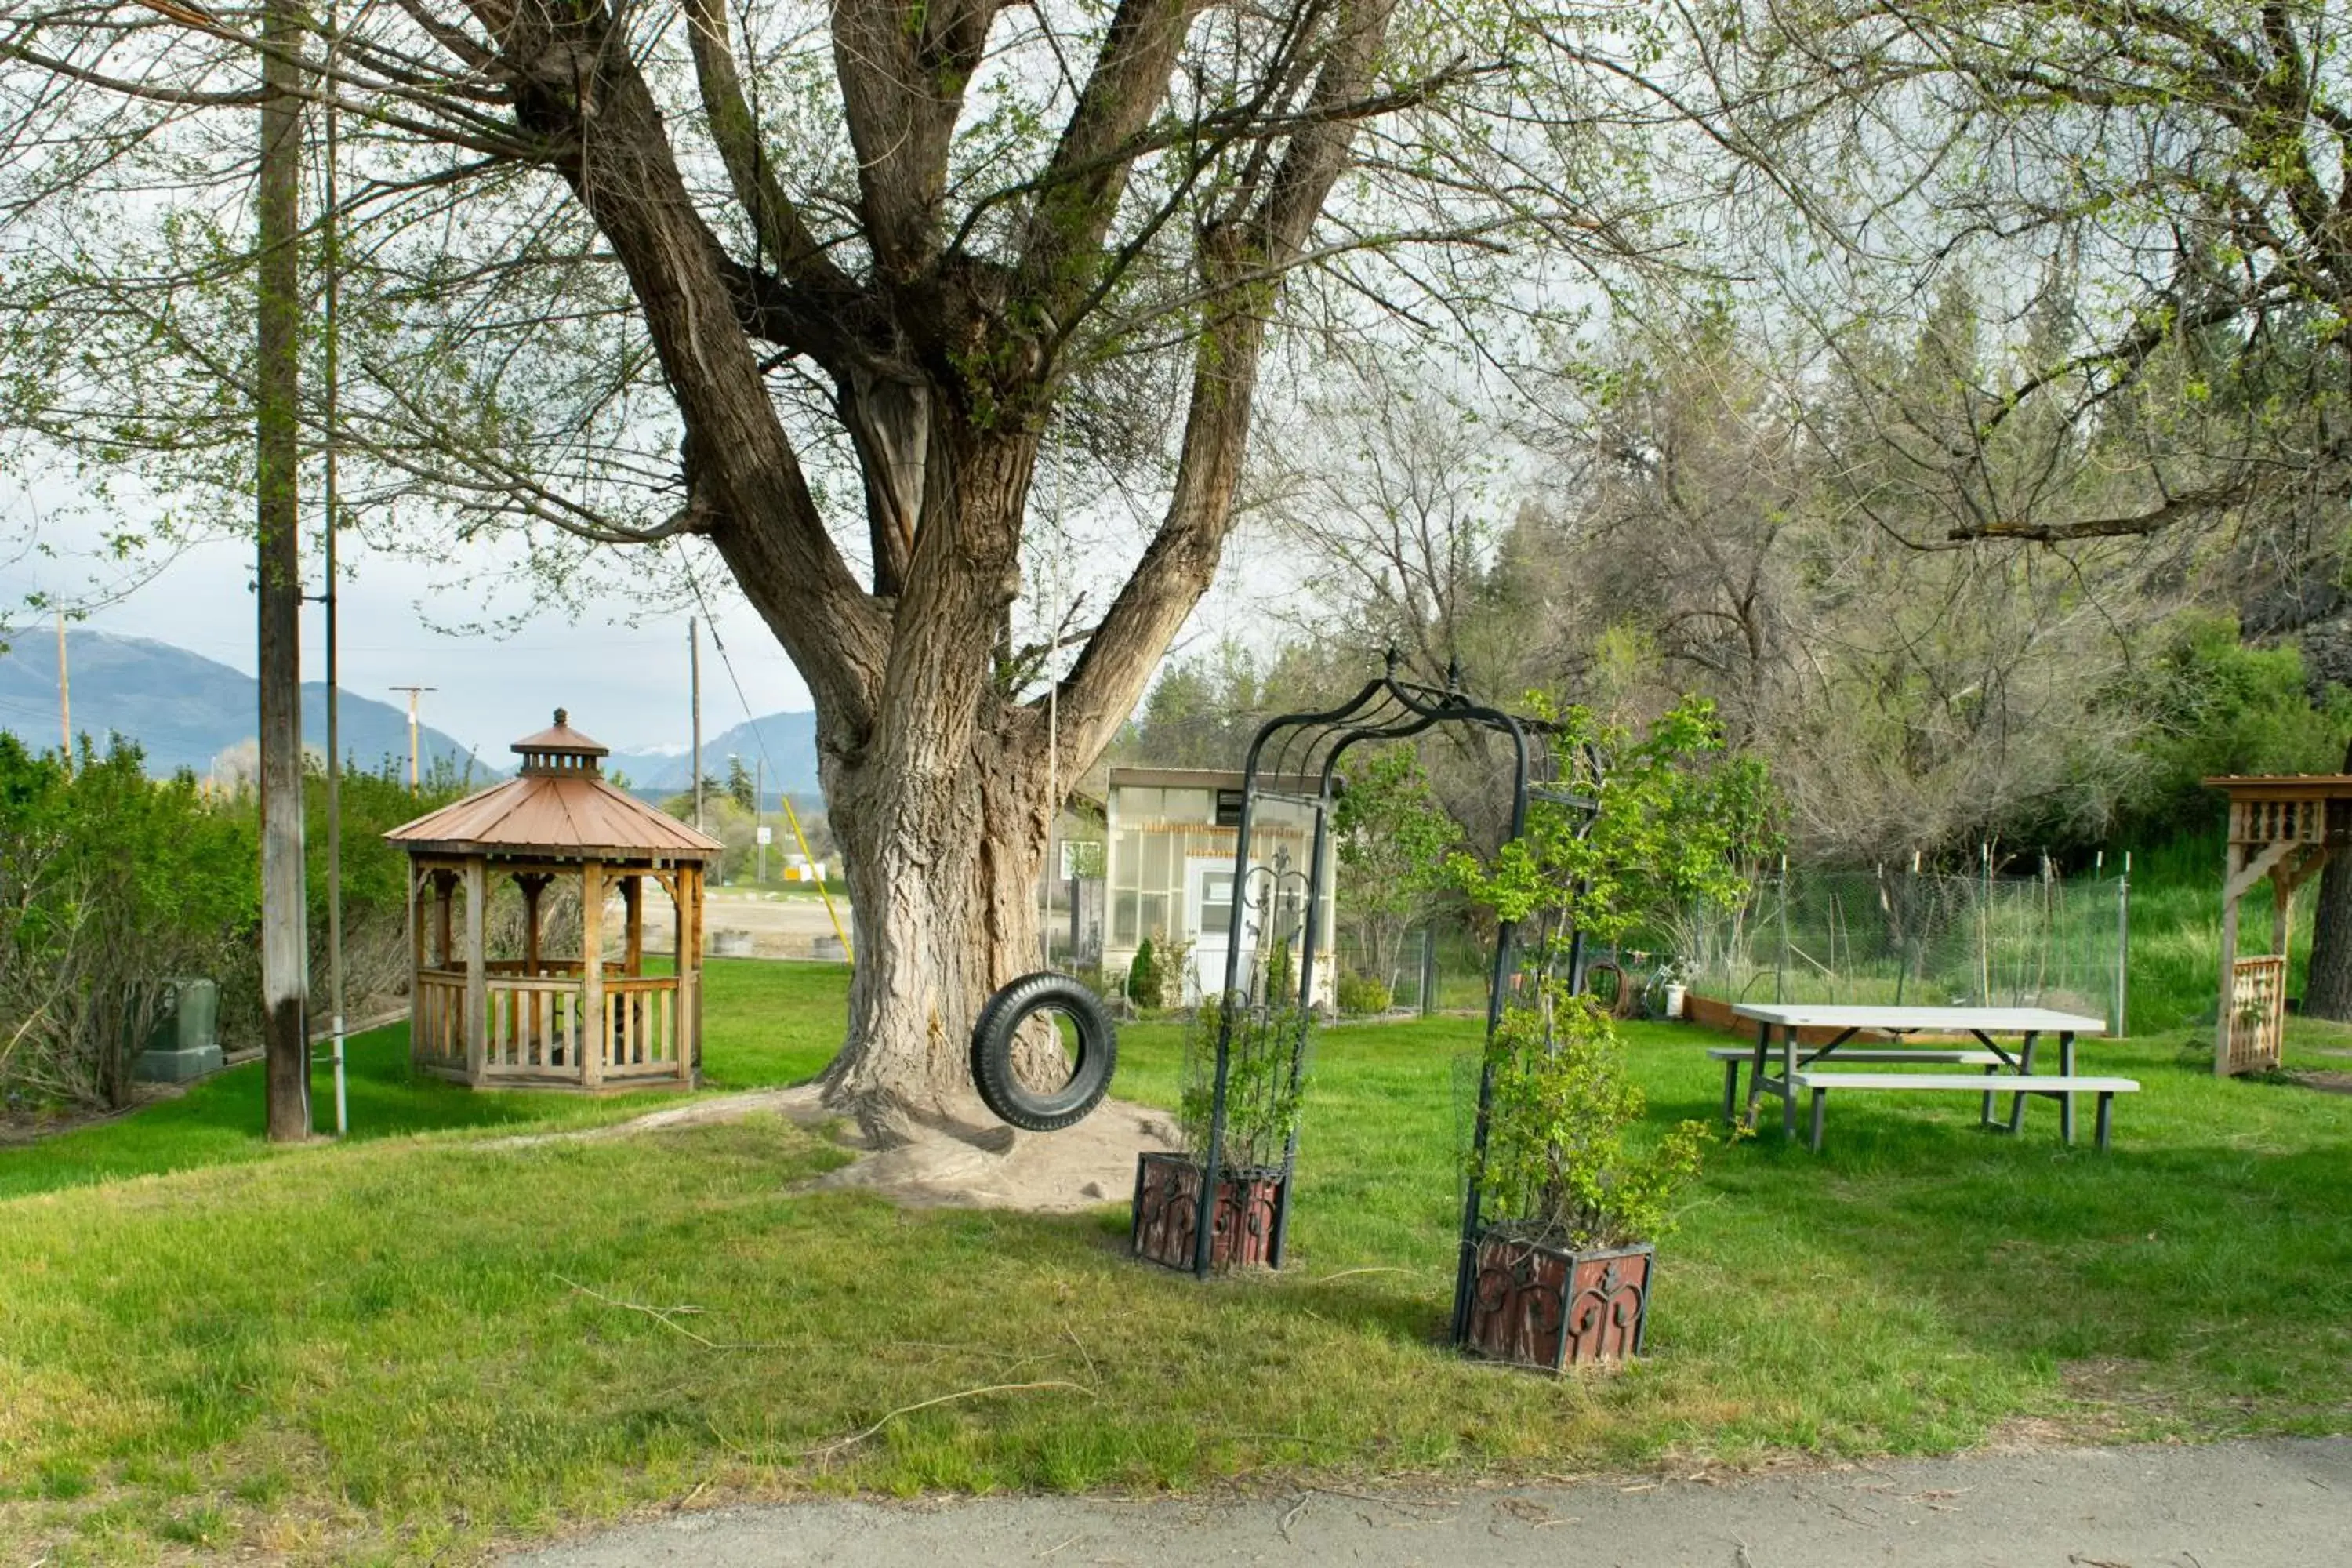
(728, 663)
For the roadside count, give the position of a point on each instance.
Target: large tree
(814, 288)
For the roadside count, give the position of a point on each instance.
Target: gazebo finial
(562, 718)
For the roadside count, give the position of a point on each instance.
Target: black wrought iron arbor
(1304, 751)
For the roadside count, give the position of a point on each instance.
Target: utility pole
(759, 815)
(64, 698)
(331, 261)
(414, 691)
(694, 677)
(277, 585)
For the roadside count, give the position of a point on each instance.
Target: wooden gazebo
(525, 1019)
(2284, 827)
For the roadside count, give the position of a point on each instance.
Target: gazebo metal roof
(560, 805)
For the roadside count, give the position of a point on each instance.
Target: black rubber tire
(992, 1052)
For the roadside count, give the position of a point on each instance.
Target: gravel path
(2282, 1504)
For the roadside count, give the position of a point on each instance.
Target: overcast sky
(626, 685)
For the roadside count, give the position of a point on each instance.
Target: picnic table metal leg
(1756, 1072)
(1788, 1080)
(2017, 1101)
(1821, 1098)
(2066, 1101)
(2106, 1107)
(1731, 1092)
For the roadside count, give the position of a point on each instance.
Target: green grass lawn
(414, 1346)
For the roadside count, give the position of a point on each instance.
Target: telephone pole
(694, 679)
(413, 692)
(277, 582)
(64, 698)
(332, 259)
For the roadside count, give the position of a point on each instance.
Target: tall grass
(2176, 934)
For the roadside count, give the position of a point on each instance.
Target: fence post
(1428, 970)
(2123, 940)
(1780, 969)
(1984, 926)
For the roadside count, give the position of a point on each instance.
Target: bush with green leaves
(1261, 1089)
(1678, 822)
(109, 882)
(1558, 1167)
(1360, 995)
(1143, 982)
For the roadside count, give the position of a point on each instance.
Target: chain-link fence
(1920, 938)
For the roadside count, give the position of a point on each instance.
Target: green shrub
(1260, 1092)
(1363, 993)
(1556, 1167)
(1143, 982)
(109, 880)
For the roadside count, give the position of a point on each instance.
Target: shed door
(1209, 901)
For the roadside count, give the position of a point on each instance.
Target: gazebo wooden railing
(533, 1033)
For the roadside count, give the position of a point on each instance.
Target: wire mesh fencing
(1898, 937)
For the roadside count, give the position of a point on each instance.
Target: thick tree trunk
(2328, 987)
(943, 865)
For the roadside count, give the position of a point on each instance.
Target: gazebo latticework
(2282, 828)
(527, 1019)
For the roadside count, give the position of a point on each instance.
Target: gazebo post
(632, 898)
(595, 1030)
(445, 884)
(476, 980)
(2223, 1017)
(689, 1009)
(532, 884)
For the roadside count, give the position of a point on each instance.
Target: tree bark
(942, 864)
(2327, 985)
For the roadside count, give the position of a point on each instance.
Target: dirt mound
(1080, 1167)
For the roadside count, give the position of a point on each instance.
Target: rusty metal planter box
(1243, 1226)
(1537, 1306)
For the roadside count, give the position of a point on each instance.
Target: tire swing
(992, 1037)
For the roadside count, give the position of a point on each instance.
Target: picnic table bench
(2054, 1087)
(1806, 1069)
(1733, 1057)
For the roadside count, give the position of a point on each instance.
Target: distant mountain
(790, 753)
(184, 709)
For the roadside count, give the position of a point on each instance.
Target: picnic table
(1787, 1070)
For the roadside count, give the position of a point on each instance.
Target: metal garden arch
(1308, 748)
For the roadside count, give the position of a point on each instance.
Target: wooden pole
(2226, 1012)
(65, 699)
(477, 976)
(694, 681)
(285, 959)
(595, 1030)
(331, 242)
(415, 964)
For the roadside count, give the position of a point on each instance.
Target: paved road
(2235, 1505)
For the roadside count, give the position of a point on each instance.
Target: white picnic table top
(1905, 1020)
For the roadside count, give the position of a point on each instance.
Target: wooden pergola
(525, 1019)
(2283, 827)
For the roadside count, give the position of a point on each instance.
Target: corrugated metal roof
(570, 812)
